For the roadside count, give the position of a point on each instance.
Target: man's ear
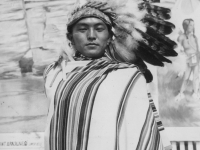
(109, 39)
(70, 38)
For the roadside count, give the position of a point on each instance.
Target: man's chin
(94, 55)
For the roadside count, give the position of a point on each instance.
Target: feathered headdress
(139, 30)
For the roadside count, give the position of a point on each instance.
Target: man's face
(90, 37)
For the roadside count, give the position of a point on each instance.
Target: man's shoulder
(48, 69)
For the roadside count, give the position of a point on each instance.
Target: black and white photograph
(100, 74)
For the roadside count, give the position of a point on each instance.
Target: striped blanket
(99, 105)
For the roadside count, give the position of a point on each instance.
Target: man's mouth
(92, 44)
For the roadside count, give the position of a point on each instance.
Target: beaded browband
(91, 10)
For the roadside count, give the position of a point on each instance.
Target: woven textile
(100, 105)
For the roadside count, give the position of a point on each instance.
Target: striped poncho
(99, 105)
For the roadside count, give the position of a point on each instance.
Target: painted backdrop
(178, 83)
(32, 33)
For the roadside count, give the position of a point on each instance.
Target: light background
(32, 33)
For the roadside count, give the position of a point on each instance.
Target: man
(99, 101)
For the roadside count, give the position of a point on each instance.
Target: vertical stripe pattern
(73, 106)
(157, 117)
(122, 106)
(75, 97)
(150, 137)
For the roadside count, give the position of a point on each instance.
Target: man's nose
(91, 35)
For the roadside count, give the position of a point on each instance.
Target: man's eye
(99, 29)
(82, 29)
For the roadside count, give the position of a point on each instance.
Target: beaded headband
(88, 12)
(93, 9)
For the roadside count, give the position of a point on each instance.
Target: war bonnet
(139, 28)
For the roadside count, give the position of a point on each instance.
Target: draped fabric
(81, 109)
(156, 115)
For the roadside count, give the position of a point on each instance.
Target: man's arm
(139, 127)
